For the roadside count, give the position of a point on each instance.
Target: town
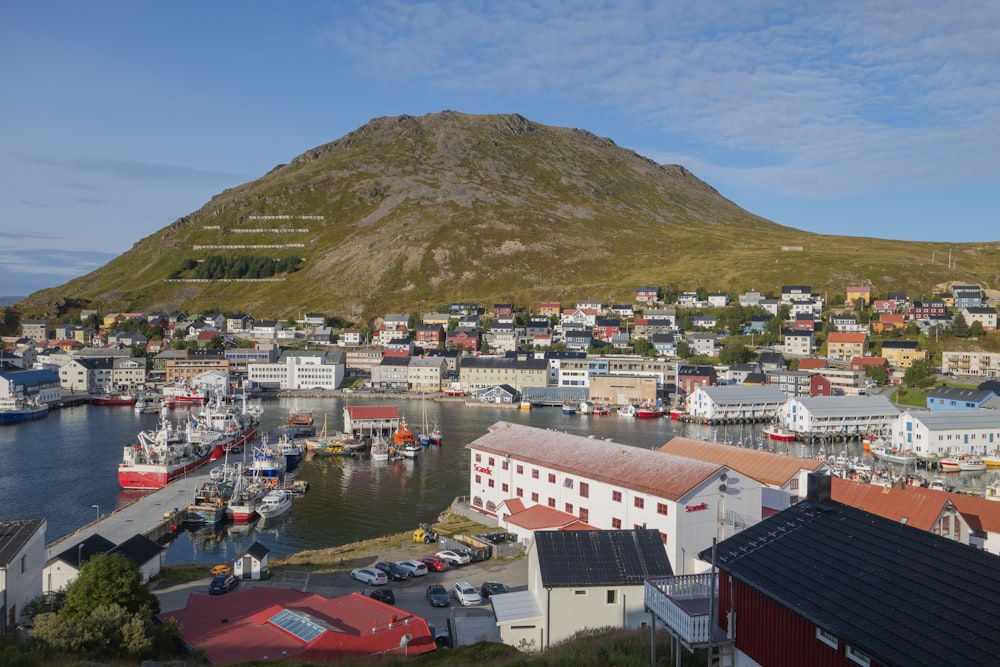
(679, 520)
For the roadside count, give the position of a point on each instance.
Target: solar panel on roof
(298, 625)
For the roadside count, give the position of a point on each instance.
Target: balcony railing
(683, 603)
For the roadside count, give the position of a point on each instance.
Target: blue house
(954, 398)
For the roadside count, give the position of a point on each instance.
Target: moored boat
(627, 411)
(160, 457)
(13, 410)
(601, 410)
(114, 398)
(568, 409)
(300, 418)
(971, 464)
(893, 455)
(649, 412)
(992, 460)
(181, 392)
(275, 503)
(379, 449)
(403, 435)
(779, 433)
(435, 436)
(525, 404)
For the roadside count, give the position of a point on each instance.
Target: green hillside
(412, 213)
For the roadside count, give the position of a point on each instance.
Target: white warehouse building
(298, 371)
(844, 415)
(735, 402)
(612, 486)
(954, 432)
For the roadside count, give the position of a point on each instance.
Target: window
(612, 596)
(479, 479)
(827, 638)
(616, 496)
(662, 508)
(616, 524)
(504, 487)
(552, 478)
(584, 490)
(584, 514)
(534, 473)
(552, 502)
(491, 461)
(579, 592)
(663, 538)
(519, 492)
(794, 484)
(479, 458)
(477, 501)
(519, 469)
(505, 464)
(569, 508)
(534, 497)
(854, 655)
(490, 482)
(639, 502)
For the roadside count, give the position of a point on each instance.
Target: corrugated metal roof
(741, 394)
(765, 467)
(645, 470)
(14, 535)
(372, 411)
(950, 420)
(848, 406)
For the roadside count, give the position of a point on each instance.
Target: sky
(876, 119)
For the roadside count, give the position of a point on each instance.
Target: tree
(918, 375)
(960, 327)
(683, 349)
(735, 352)
(106, 579)
(976, 330)
(877, 373)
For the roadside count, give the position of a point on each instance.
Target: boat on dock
(403, 435)
(209, 505)
(650, 412)
(779, 433)
(181, 392)
(300, 418)
(379, 448)
(568, 409)
(14, 410)
(266, 465)
(114, 398)
(894, 455)
(962, 464)
(147, 404)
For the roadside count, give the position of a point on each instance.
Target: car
(490, 588)
(466, 594)
(370, 576)
(416, 568)
(223, 583)
(454, 557)
(383, 595)
(393, 571)
(437, 595)
(435, 563)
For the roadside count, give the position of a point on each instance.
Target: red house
(464, 339)
(822, 583)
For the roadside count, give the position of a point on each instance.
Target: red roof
(809, 363)
(920, 507)
(540, 517)
(847, 337)
(235, 627)
(372, 411)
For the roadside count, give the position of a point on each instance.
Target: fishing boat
(114, 397)
(160, 457)
(409, 450)
(224, 426)
(893, 455)
(650, 412)
(435, 436)
(325, 444)
(182, 392)
(971, 464)
(585, 408)
(627, 411)
(601, 410)
(779, 433)
(266, 465)
(568, 409)
(147, 404)
(209, 505)
(300, 418)
(291, 450)
(247, 494)
(525, 404)
(676, 413)
(379, 449)
(275, 503)
(992, 460)
(16, 409)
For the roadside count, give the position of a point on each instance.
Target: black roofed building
(63, 568)
(823, 583)
(579, 579)
(144, 553)
(22, 555)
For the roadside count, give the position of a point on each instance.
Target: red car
(434, 563)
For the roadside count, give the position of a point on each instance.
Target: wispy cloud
(150, 173)
(818, 100)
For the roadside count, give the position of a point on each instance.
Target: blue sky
(869, 119)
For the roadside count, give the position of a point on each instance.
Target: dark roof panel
(600, 557)
(873, 582)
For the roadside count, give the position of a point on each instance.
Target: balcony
(683, 604)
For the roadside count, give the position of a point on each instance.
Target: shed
(252, 563)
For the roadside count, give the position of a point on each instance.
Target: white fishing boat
(627, 411)
(380, 449)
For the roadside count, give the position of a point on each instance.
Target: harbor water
(64, 468)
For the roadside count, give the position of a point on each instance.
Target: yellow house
(846, 345)
(863, 292)
(902, 353)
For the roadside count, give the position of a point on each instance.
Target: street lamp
(98, 508)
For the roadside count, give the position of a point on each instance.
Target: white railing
(662, 598)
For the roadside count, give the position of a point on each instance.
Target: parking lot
(410, 594)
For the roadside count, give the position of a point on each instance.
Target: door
(247, 567)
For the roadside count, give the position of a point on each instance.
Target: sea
(63, 468)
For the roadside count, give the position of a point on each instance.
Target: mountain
(408, 214)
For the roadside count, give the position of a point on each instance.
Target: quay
(156, 515)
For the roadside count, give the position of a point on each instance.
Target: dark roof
(139, 549)
(14, 534)
(872, 582)
(699, 371)
(946, 393)
(600, 557)
(257, 550)
(899, 344)
(94, 544)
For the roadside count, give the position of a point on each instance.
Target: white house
(956, 432)
(22, 557)
(986, 316)
(612, 486)
(63, 568)
(799, 343)
(304, 370)
(252, 563)
(580, 579)
(847, 415)
(735, 402)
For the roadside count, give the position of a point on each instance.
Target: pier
(156, 515)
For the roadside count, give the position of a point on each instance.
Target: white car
(370, 576)
(414, 567)
(466, 594)
(453, 557)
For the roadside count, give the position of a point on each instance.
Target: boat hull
(781, 435)
(147, 476)
(23, 415)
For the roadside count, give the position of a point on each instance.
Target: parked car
(454, 557)
(383, 595)
(466, 594)
(490, 588)
(438, 596)
(370, 576)
(223, 583)
(416, 568)
(393, 571)
(434, 563)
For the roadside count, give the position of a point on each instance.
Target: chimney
(818, 487)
